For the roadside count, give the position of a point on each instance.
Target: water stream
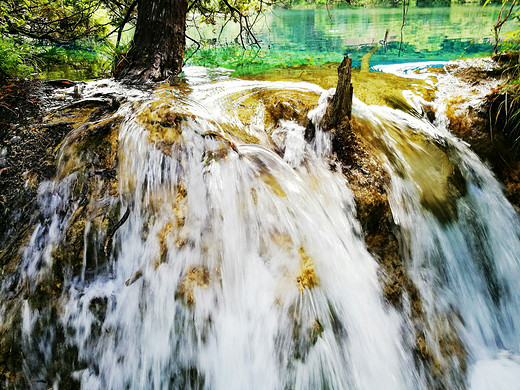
(242, 265)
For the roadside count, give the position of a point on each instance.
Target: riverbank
(484, 120)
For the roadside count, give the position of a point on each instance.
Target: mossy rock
(82, 111)
(92, 146)
(370, 87)
(195, 277)
(430, 163)
(279, 105)
(369, 181)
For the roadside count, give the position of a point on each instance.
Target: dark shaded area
(26, 159)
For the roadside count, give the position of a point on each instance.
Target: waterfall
(234, 259)
(461, 240)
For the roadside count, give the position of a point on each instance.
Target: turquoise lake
(293, 37)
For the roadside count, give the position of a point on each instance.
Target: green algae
(373, 88)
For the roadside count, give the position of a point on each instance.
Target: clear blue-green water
(314, 36)
(291, 37)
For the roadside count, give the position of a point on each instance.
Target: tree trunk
(341, 106)
(159, 41)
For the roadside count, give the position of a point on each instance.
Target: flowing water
(238, 261)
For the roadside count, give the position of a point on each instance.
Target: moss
(240, 134)
(11, 356)
(87, 134)
(92, 145)
(483, 129)
(370, 87)
(448, 360)
(164, 124)
(429, 163)
(171, 232)
(369, 181)
(82, 111)
(417, 313)
(271, 181)
(215, 155)
(279, 105)
(307, 278)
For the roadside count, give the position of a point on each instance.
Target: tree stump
(339, 110)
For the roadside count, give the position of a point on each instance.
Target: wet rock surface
(484, 122)
(31, 137)
(87, 133)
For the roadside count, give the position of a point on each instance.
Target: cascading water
(241, 265)
(461, 240)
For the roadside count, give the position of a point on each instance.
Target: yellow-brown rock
(196, 277)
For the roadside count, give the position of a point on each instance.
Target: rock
(193, 278)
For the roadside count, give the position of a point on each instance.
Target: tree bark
(158, 47)
(341, 106)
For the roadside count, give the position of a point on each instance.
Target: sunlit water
(315, 36)
(242, 266)
(291, 37)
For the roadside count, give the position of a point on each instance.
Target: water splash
(237, 260)
(238, 267)
(461, 240)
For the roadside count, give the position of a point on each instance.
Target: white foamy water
(466, 268)
(243, 266)
(237, 268)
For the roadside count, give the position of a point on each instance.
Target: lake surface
(291, 37)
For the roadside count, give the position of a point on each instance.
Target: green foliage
(54, 21)
(85, 59)
(511, 104)
(16, 59)
(514, 35)
(54, 33)
(511, 91)
(115, 54)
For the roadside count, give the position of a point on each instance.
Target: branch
(247, 27)
(328, 12)
(402, 27)
(125, 21)
(196, 50)
(500, 22)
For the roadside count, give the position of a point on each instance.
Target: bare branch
(125, 21)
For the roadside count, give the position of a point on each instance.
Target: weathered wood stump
(339, 110)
